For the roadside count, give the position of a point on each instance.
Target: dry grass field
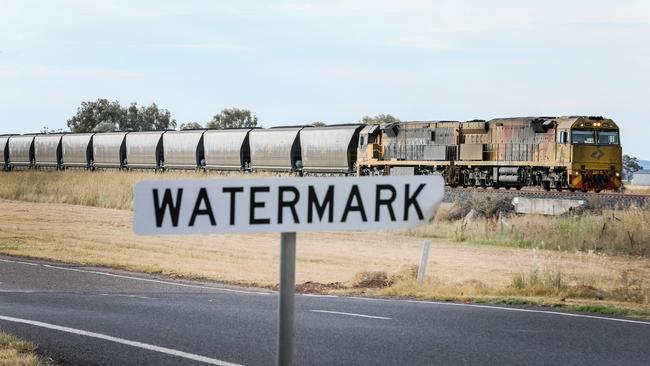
(16, 352)
(596, 261)
(108, 189)
(632, 189)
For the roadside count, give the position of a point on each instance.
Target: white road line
(352, 314)
(149, 347)
(19, 291)
(490, 307)
(320, 295)
(548, 312)
(27, 263)
(124, 295)
(138, 278)
(156, 281)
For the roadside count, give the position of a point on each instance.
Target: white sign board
(284, 204)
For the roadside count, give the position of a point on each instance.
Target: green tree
(233, 118)
(131, 121)
(630, 165)
(379, 119)
(319, 124)
(191, 126)
(157, 119)
(92, 113)
(147, 118)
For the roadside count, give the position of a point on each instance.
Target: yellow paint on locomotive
(595, 154)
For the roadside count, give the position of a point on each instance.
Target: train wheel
(546, 185)
(519, 188)
(598, 190)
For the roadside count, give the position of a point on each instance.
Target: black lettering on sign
(202, 198)
(354, 195)
(412, 201)
(312, 202)
(257, 204)
(174, 208)
(388, 202)
(232, 191)
(290, 204)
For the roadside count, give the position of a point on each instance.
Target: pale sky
(296, 62)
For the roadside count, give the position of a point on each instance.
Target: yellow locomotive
(572, 153)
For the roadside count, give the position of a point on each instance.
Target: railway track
(610, 199)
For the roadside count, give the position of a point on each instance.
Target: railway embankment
(609, 200)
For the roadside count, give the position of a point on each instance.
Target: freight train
(573, 153)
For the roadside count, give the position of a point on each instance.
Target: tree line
(103, 115)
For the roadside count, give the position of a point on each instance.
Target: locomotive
(573, 153)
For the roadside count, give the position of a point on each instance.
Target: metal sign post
(287, 286)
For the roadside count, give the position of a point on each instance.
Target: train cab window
(562, 137)
(607, 137)
(583, 137)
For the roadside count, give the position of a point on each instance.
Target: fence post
(422, 270)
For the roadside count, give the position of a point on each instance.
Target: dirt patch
(310, 287)
(372, 279)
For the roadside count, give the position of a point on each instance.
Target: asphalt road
(86, 316)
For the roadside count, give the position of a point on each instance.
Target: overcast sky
(294, 62)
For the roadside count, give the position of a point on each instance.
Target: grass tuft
(600, 309)
(17, 352)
